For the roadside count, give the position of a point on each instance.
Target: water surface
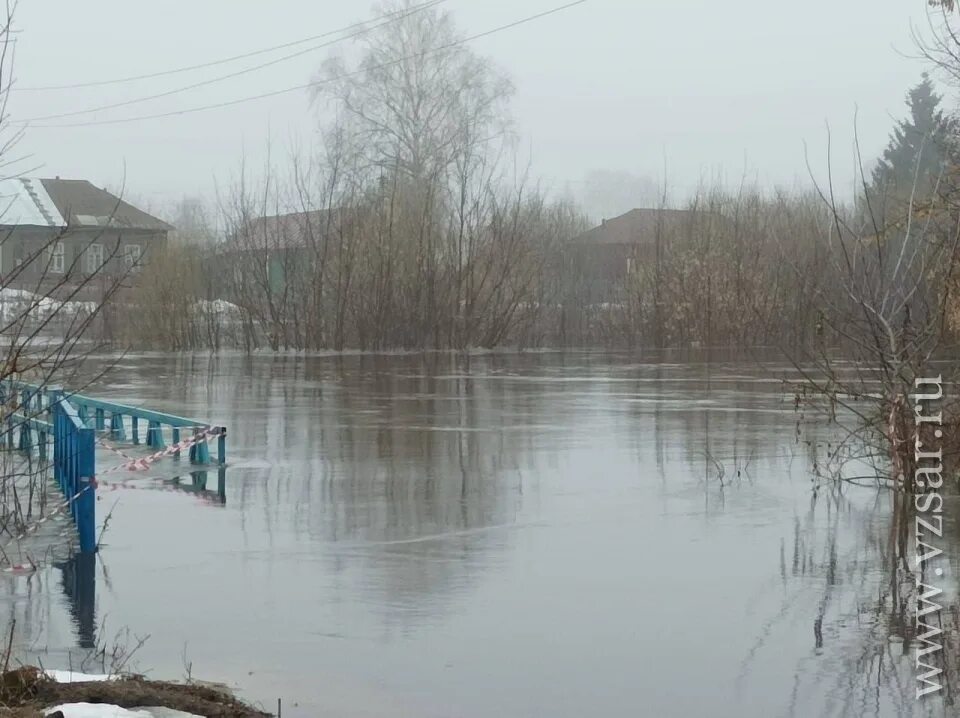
(511, 535)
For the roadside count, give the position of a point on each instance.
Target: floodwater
(517, 535)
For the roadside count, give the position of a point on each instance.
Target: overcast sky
(702, 87)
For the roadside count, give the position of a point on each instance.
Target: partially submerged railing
(74, 456)
(155, 420)
(48, 411)
(74, 470)
(23, 427)
(33, 398)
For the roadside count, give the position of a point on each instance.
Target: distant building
(70, 227)
(603, 257)
(263, 254)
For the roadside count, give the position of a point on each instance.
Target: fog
(658, 89)
(472, 304)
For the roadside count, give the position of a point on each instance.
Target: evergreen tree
(917, 152)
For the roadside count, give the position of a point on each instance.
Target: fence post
(26, 440)
(57, 413)
(200, 452)
(154, 435)
(56, 418)
(73, 474)
(87, 489)
(116, 427)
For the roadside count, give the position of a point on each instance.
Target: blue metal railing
(49, 411)
(37, 398)
(99, 411)
(24, 428)
(155, 420)
(74, 470)
(44, 412)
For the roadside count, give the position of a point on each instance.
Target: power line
(212, 63)
(238, 73)
(275, 93)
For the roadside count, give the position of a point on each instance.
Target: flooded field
(510, 535)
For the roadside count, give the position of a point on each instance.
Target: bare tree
(417, 100)
(47, 318)
(890, 323)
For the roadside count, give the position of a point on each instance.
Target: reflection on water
(78, 580)
(196, 483)
(515, 535)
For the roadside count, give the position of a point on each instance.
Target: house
(603, 257)
(59, 232)
(264, 253)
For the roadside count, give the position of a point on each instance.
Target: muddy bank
(27, 692)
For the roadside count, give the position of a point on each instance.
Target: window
(94, 258)
(58, 258)
(132, 254)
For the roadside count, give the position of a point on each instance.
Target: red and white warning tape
(56, 511)
(139, 464)
(143, 463)
(20, 569)
(109, 447)
(143, 482)
(164, 485)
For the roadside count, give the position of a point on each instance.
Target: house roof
(84, 205)
(28, 202)
(25, 203)
(636, 226)
(284, 231)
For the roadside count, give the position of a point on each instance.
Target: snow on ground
(76, 677)
(18, 302)
(104, 710)
(217, 307)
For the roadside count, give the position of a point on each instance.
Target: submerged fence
(48, 412)
(74, 470)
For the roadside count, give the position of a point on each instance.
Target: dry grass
(26, 691)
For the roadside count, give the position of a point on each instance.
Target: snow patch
(106, 710)
(218, 307)
(15, 303)
(76, 677)
(96, 710)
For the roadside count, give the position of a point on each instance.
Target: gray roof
(639, 226)
(285, 231)
(84, 205)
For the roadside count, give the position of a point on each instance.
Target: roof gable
(638, 226)
(285, 231)
(82, 204)
(25, 203)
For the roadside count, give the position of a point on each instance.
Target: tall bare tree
(416, 100)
